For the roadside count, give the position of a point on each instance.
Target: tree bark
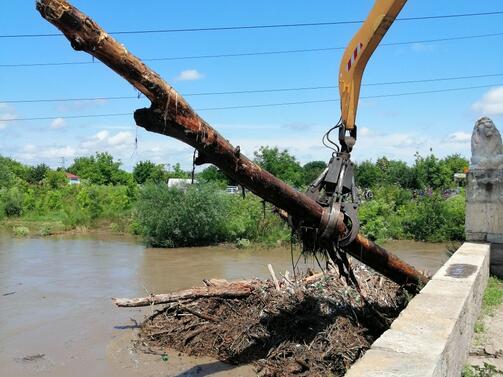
(171, 115)
(232, 290)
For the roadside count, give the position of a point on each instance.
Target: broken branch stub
(171, 115)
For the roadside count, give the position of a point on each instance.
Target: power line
(255, 27)
(257, 53)
(264, 104)
(270, 90)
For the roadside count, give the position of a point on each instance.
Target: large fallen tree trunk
(171, 115)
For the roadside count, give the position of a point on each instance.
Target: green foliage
(213, 175)
(36, 174)
(147, 171)
(171, 217)
(486, 370)
(11, 172)
(100, 169)
(280, 164)
(45, 230)
(395, 214)
(12, 201)
(427, 172)
(55, 179)
(431, 173)
(90, 200)
(54, 200)
(177, 172)
(311, 171)
(21, 231)
(205, 214)
(493, 296)
(201, 215)
(243, 243)
(425, 218)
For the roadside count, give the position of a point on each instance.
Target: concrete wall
(484, 205)
(432, 336)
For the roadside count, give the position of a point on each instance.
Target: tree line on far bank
(140, 201)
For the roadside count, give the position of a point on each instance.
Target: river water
(57, 318)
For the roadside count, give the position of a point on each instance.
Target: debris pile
(315, 326)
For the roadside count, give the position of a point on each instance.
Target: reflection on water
(61, 307)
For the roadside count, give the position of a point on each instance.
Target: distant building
(460, 178)
(180, 183)
(72, 179)
(232, 190)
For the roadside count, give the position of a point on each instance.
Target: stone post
(484, 191)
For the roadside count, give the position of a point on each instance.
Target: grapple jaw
(335, 191)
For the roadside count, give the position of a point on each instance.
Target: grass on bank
(491, 301)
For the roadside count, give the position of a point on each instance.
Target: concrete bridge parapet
(432, 335)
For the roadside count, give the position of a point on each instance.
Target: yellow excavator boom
(358, 53)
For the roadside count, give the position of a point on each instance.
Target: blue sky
(396, 127)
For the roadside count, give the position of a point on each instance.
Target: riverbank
(486, 353)
(20, 227)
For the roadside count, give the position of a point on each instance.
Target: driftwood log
(238, 289)
(171, 115)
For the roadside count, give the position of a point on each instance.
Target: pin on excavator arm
(354, 60)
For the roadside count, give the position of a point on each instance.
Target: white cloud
(491, 103)
(102, 135)
(6, 112)
(123, 137)
(189, 75)
(58, 123)
(33, 154)
(459, 137)
(103, 140)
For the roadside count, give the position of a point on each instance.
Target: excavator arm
(354, 60)
(335, 188)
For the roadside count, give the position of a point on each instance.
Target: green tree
(36, 174)
(399, 173)
(100, 169)
(11, 169)
(367, 174)
(90, 200)
(454, 164)
(147, 171)
(280, 164)
(56, 179)
(213, 174)
(11, 200)
(177, 172)
(431, 173)
(312, 170)
(7, 178)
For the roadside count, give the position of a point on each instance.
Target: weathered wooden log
(171, 115)
(232, 290)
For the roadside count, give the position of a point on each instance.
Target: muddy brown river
(57, 318)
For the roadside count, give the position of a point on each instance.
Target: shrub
(171, 217)
(21, 231)
(12, 201)
(90, 200)
(45, 230)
